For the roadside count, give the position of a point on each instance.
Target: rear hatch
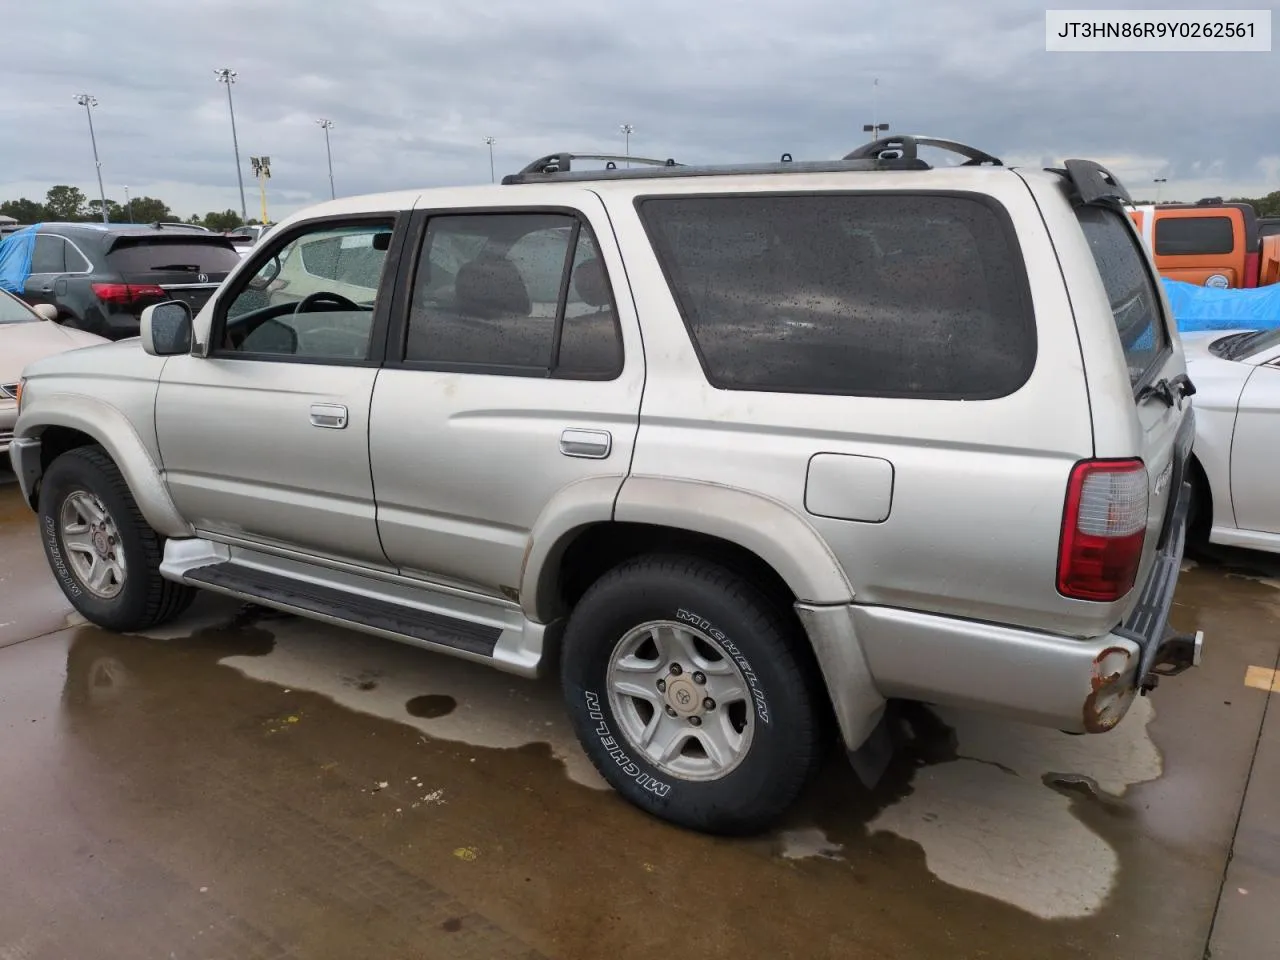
(158, 267)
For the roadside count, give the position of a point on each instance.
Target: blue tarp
(1213, 308)
(15, 258)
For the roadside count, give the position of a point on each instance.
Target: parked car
(99, 277)
(1211, 243)
(1236, 459)
(25, 336)
(749, 451)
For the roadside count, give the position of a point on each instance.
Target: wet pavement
(246, 785)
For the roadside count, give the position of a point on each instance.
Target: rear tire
(647, 652)
(103, 554)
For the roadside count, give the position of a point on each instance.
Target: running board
(433, 617)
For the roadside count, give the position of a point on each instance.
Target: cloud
(413, 89)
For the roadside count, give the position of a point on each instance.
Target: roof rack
(905, 147)
(890, 153)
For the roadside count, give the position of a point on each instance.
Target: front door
(265, 439)
(1255, 452)
(514, 373)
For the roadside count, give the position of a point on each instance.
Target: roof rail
(561, 162)
(1092, 183)
(905, 147)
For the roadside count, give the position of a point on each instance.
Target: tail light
(1103, 528)
(127, 292)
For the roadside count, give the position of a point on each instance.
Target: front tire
(687, 690)
(103, 554)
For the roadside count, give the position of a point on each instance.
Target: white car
(1236, 458)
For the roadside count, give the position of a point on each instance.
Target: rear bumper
(870, 654)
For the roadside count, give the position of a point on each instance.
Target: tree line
(64, 204)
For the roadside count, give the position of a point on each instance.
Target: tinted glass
(1188, 236)
(488, 288)
(1135, 302)
(875, 295)
(75, 261)
(1268, 228)
(14, 311)
(149, 256)
(47, 255)
(590, 341)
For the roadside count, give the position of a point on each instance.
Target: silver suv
(752, 452)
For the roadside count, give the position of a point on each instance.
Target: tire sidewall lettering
(617, 752)
(53, 545)
(739, 658)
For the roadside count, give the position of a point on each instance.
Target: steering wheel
(325, 296)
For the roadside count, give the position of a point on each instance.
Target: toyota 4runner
(750, 452)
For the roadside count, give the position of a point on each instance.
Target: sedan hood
(24, 343)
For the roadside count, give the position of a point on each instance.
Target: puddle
(445, 698)
(431, 706)
(993, 811)
(808, 843)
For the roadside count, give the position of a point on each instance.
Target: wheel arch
(67, 422)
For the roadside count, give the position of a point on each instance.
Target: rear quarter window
(1131, 289)
(884, 295)
(1194, 236)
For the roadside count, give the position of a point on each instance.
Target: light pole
(627, 130)
(875, 128)
(88, 101)
(262, 170)
(228, 77)
(128, 205)
(327, 125)
(1158, 181)
(490, 141)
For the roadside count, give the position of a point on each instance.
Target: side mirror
(45, 311)
(166, 329)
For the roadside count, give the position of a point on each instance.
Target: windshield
(13, 310)
(1251, 343)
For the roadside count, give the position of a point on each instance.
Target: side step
(434, 616)
(377, 614)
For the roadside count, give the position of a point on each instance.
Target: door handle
(46, 289)
(330, 415)
(591, 444)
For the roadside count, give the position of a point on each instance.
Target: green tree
(151, 210)
(23, 210)
(226, 220)
(195, 220)
(115, 212)
(64, 203)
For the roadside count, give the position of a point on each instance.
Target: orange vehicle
(1210, 243)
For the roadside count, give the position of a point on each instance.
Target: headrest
(491, 286)
(590, 284)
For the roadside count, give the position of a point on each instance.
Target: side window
(75, 261)
(1135, 302)
(525, 293)
(885, 295)
(1194, 236)
(313, 298)
(48, 254)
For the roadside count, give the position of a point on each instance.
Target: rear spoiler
(176, 237)
(1092, 184)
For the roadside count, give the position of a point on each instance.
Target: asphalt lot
(246, 785)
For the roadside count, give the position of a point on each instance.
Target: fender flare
(771, 530)
(116, 434)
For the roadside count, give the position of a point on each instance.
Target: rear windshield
(861, 295)
(1194, 236)
(147, 255)
(1135, 302)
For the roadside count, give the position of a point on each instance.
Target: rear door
(183, 266)
(1207, 247)
(48, 266)
(1255, 452)
(514, 374)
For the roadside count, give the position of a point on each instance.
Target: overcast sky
(414, 86)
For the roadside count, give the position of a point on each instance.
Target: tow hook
(1179, 652)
